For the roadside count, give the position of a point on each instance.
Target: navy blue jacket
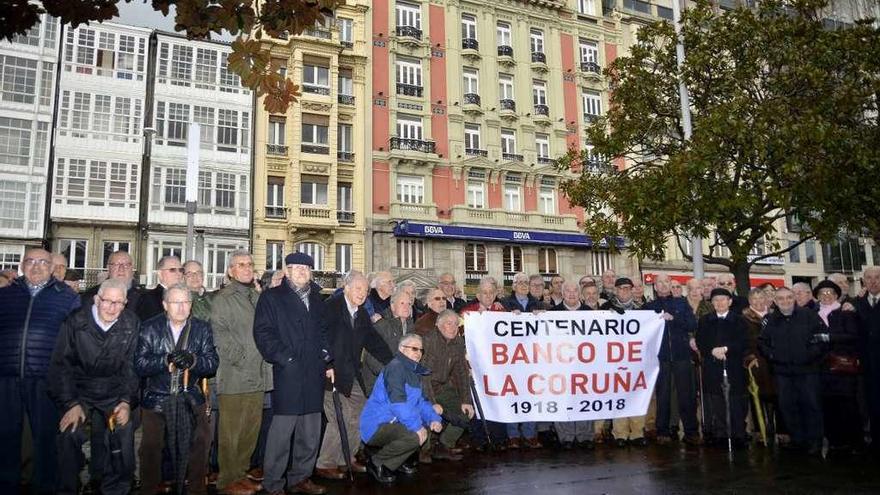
(294, 340)
(29, 326)
(787, 341)
(151, 359)
(512, 304)
(676, 333)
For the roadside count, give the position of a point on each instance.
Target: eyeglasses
(414, 349)
(192, 274)
(725, 283)
(111, 303)
(119, 265)
(446, 282)
(437, 298)
(179, 303)
(36, 261)
(177, 270)
(827, 293)
(244, 264)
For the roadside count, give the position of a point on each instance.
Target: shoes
(587, 445)
(165, 487)
(443, 453)
(513, 443)
(255, 474)
(693, 441)
(620, 443)
(640, 442)
(533, 443)
(210, 479)
(306, 486)
(663, 440)
(380, 473)
(408, 468)
(243, 486)
(356, 467)
(329, 473)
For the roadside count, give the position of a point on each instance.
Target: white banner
(563, 365)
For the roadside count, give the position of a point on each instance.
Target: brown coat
(426, 322)
(763, 376)
(446, 360)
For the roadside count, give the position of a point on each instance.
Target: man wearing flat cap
(291, 333)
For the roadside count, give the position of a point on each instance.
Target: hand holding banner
(564, 365)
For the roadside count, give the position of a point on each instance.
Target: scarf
(826, 309)
(303, 293)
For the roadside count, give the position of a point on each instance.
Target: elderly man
(32, 309)
(676, 368)
(487, 298)
(170, 272)
(708, 284)
(397, 323)
(243, 377)
(92, 379)
(448, 384)
(556, 295)
(172, 347)
(350, 333)
(447, 284)
(409, 287)
(521, 300)
(435, 303)
(609, 277)
(59, 266)
(291, 334)
(803, 296)
(120, 267)
(536, 291)
(867, 309)
(394, 420)
(790, 341)
(728, 281)
(590, 296)
(194, 278)
(381, 288)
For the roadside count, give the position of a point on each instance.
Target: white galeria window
(472, 136)
(476, 193)
(503, 34)
(346, 30)
(539, 92)
(536, 41)
(410, 189)
(468, 27)
(409, 71)
(542, 145)
(547, 197)
(408, 14)
(508, 141)
(592, 102)
(505, 86)
(409, 127)
(471, 81)
(589, 51)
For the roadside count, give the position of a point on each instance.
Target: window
(547, 260)
(315, 250)
(343, 197)
(224, 194)
(13, 200)
(10, 257)
(587, 7)
(410, 253)
(173, 125)
(111, 247)
(204, 116)
(346, 83)
(162, 248)
(47, 83)
(794, 255)
(476, 193)
(547, 198)
(346, 30)
(19, 79)
(512, 197)
(542, 145)
(343, 258)
(101, 114)
(313, 190)
(127, 61)
(206, 68)
(502, 32)
(79, 117)
(216, 255)
(589, 51)
(315, 134)
(181, 65)
(475, 257)
(15, 141)
(31, 36)
(75, 252)
(70, 180)
(539, 92)
(227, 130)
(229, 81)
(277, 127)
(85, 49)
(810, 252)
(175, 186)
(344, 138)
(317, 77)
(536, 41)
(471, 81)
(274, 255)
(468, 27)
(41, 145)
(601, 261)
(408, 15)
(472, 136)
(592, 103)
(410, 189)
(511, 258)
(505, 86)
(409, 71)
(508, 141)
(106, 60)
(409, 127)
(275, 198)
(127, 117)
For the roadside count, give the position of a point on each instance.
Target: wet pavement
(650, 470)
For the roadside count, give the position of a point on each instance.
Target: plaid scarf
(303, 293)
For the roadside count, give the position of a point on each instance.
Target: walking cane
(756, 401)
(702, 404)
(725, 387)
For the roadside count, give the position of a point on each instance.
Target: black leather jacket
(151, 359)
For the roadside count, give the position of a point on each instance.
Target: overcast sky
(140, 14)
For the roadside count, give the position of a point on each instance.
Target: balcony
(409, 90)
(327, 280)
(276, 149)
(470, 44)
(542, 110)
(346, 217)
(591, 68)
(590, 118)
(471, 99)
(546, 160)
(276, 212)
(345, 99)
(505, 51)
(539, 58)
(498, 217)
(345, 156)
(512, 157)
(406, 144)
(347, 44)
(318, 149)
(409, 32)
(507, 105)
(323, 33)
(316, 90)
(309, 212)
(413, 211)
(476, 152)
(599, 166)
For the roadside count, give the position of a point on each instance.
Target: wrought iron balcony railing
(406, 144)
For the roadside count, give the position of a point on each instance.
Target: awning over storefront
(441, 231)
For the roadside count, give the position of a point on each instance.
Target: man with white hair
(169, 271)
(121, 267)
(487, 298)
(446, 283)
(609, 290)
(435, 303)
(803, 296)
(728, 281)
(381, 287)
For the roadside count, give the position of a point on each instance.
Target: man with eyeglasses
(396, 323)
(92, 381)
(435, 303)
(194, 278)
(446, 284)
(169, 344)
(119, 267)
(170, 272)
(32, 309)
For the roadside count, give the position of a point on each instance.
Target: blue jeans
(17, 398)
(529, 430)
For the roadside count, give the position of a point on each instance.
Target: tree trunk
(740, 270)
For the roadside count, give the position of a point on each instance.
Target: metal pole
(685, 99)
(192, 189)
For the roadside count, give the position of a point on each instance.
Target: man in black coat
(92, 380)
(349, 333)
(120, 267)
(446, 283)
(789, 342)
(722, 338)
(170, 272)
(291, 333)
(868, 310)
(727, 281)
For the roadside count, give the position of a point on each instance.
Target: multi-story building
(192, 84)
(472, 102)
(309, 180)
(99, 143)
(28, 67)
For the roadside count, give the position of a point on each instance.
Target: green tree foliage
(784, 122)
(200, 19)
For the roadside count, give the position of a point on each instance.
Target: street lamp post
(192, 189)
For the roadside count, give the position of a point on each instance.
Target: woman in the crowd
(758, 366)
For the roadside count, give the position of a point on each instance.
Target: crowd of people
(268, 382)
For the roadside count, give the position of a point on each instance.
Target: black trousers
(717, 417)
(497, 432)
(114, 476)
(801, 407)
(681, 374)
(17, 398)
